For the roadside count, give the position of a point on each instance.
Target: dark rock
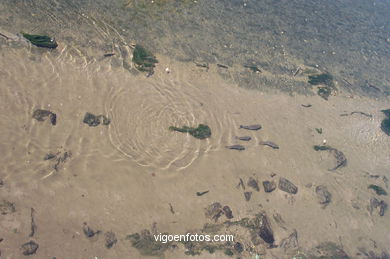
(247, 195)
(287, 186)
(323, 195)
(94, 120)
(385, 125)
(270, 144)
(88, 231)
(41, 115)
(201, 193)
(378, 190)
(244, 138)
(251, 127)
(110, 239)
(228, 212)
(214, 211)
(7, 207)
(266, 232)
(236, 147)
(29, 248)
(238, 247)
(375, 203)
(42, 41)
(253, 183)
(269, 186)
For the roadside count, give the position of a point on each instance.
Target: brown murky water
(130, 175)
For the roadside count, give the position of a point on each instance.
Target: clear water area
(349, 39)
(135, 174)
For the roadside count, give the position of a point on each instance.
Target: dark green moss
(321, 148)
(321, 79)
(379, 190)
(41, 40)
(143, 59)
(201, 132)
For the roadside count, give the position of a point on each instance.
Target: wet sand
(124, 176)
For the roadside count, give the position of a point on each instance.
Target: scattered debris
(244, 138)
(88, 231)
(201, 193)
(7, 207)
(287, 186)
(378, 190)
(29, 248)
(201, 132)
(323, 195)
(42, 115)
(269, 186)
(247, 195)
(110, 239)
(42, 41)
(143, 59)
(253, 183)
(251, 127)
(270, 144)
(236, 147)
(33, 225)
(94, 120)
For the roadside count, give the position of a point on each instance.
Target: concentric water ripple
(142, 113)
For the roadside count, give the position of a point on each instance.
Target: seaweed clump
(385, 125)
(378, 190)
(201, 132)
(325, 79)
(42, 41)
(143, 59)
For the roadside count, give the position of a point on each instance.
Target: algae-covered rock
(385, 125)
(42, 115)
(378, 190)
(42, 41)
(94, 120)
(143, 59)
(287, 186)
(201, 132)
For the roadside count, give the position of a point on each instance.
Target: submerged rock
(228, 212)
(88, 231)
(269, 186)
(42, 41)
(287, 186)
(253, 183)
(323, 195)
(244, 138)
(385, 125)
(270, 144)
(42, 115)
(378, 190)
(110, 239)
(341, 160)
(214, 211)
(29, 248)
(236, 147)
(247, 195)
(94, 120)
(201, 132)
(251, 127)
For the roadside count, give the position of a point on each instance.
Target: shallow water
(129, 175)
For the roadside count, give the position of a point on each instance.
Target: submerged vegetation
(201, 132)
(42, 41)
(143, 59)
(324, 79)
(385, 125)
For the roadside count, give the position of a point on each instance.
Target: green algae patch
(378, 190)
(143, 59)
(201, 132)
(42, 41)
(385, 125)
(321, 148)
(324, 79)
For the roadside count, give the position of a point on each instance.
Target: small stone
(253, 183)
(110, 239)
(29, 248)
(228, 212)
(247, 195)
(238, 247)
(41, 115)
(91, 120)
(269, 186)
(287, 186)
(88, 231)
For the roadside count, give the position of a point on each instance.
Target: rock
(49, 156)
(375, 203)
(94, 120)
(385, 125)
(236, 147)
(238, 247)
(270, 144)
(251, 127)
(29, 248)
(341, 160)
(228, 212)
(214, 211)
(7, 207)
(269, 186)
(42, 41)
(378, 190)
(266, 232)
(253, 183)
(287, 186)
(244, 138)
(42, 115)
(110, 239)
(291, 242)
(323, 195)
(88, 231)
(201, 132)
(247, 195)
